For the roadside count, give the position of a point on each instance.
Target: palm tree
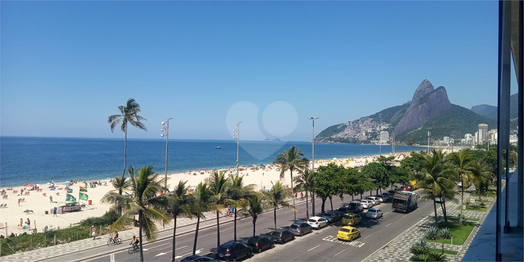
(482, 175)
(218, 185)
(120, 184)
(237, 192)
(306, 182)
(458, 163)
(254, 205)
(434, 180)
(277, 196)
(200, 200)
(291, 160)
(178, 205)
(128, 114)
(145, 200)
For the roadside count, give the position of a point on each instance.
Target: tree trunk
(312, 203)
(307, 205)
(331, 202)
(293, 196)
(218, 228)
(235, 225)
(254, 225)
(435, 208)
(140, 215)
(125, 152)
(444, 211)
(174, 240)
(275, 217)
(323, 204)
(196, 235)
(462, 200)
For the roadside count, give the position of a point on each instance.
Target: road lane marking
(160, 254)
(367, 236)
(312, 248)
(190, 253)
(340, 252)
(388, 225)
(334, 239)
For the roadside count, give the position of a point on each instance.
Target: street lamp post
(313, 163)
(165, 132)
(236, 133)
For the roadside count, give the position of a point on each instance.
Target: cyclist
(135, 242)
(115, 237)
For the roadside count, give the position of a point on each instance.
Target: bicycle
(112, 241)
(133, 249)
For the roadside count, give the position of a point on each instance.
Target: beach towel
(53, 188)
(83, 189)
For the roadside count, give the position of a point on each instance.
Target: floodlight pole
(313, 163)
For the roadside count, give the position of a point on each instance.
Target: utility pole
(313, 164)
(236, 132)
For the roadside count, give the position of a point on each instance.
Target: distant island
(267, 139)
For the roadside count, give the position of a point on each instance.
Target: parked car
(374, 213)
(355, 207)
(343, 210)
(374, 200)
(351, 219)
(233, 251)
(366, 203)
(282, 236)
(386, 196)
(197, 258)
(260, 243)
(380, 198)
(317, 222)
(348, 233)
(300, 228)
(331, 216)
(406, 188)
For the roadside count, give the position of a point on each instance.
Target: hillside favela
(261, 131)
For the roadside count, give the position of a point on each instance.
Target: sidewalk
(398, 248)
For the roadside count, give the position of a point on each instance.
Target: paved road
(321, 245)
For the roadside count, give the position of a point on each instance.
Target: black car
(343, 210)
(282, 236)
(260, 243)
(197, 258)
(331, 216)
(300, 228)
(232, 251)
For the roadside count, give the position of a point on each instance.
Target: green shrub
(432, 233)
(445, 233)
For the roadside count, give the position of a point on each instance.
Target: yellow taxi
(351, 219)
(348, 233)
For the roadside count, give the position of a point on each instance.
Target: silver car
(365, 203)
(374, 200)
(317, 222)
(380, 198)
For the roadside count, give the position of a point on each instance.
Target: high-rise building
(384, 137)
(483, 133)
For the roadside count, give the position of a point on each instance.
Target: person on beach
(93, 232)
(28, 222)
(50, 199)
(21, 223)
(54, 212)
(19, 201)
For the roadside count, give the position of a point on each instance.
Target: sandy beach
(35, 203)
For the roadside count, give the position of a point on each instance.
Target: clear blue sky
(67, 66)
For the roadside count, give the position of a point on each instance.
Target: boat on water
(218, 147)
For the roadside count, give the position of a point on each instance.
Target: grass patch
(473, 207)
(460, 234)
(467, 218)
(447, 252)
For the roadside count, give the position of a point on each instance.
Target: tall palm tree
(218, 185)
(306, 182)
(200, 200)
(277, 196)
(254, 205)
(458, 163)
(145, 200)
(120, 184)
(178, 204)
(435, 181)
(236, 193)
(482, 175)
(128, 114)
(291, 160)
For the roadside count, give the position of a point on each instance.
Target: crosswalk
(334, 239)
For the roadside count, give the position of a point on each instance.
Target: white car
(317, 222)
(374, 200)
(374, 213)
(380, 198)
(366, 203)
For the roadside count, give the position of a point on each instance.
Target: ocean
(41, 159)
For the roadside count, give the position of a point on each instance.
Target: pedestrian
(19, 201)
(28, 222)
(301, 195)
(93, 232)
(232, 210)
(228, 212)
(21, 223)
(50, 199)
(54, 212)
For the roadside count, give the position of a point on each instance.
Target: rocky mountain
(429, 110)
(492, 113)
